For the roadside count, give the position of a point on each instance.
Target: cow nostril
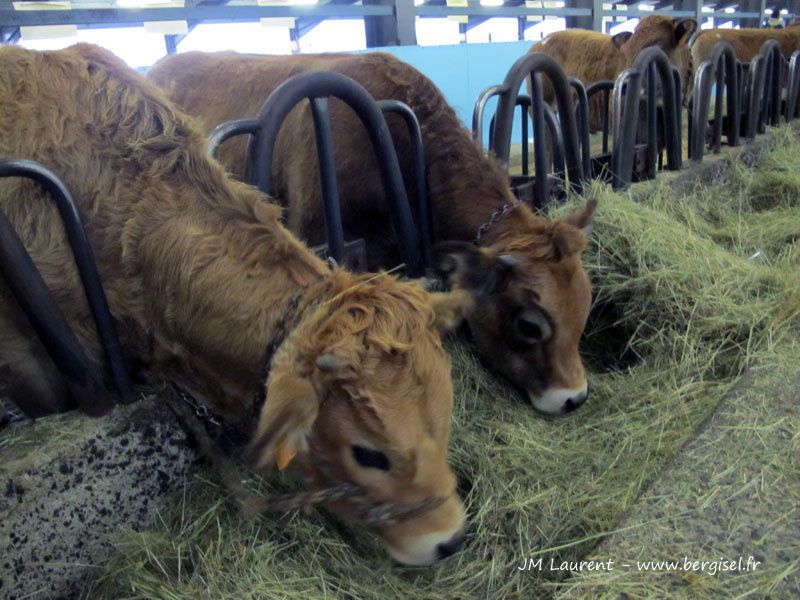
(573, 403)
(450, 547)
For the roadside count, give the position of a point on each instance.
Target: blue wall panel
(464, 71)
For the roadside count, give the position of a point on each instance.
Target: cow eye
(371, 459)
(533, 326)
(530, 330)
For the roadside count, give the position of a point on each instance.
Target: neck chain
(493, 220)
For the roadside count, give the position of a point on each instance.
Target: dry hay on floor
(681, 310)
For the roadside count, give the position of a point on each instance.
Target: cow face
(671, 35)
(361, 393)
(532, 303)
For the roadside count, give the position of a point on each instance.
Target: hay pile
(681, 310)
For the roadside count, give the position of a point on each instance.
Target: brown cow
(745, 42)
(534, 292)
(199, 273)
(591, 56)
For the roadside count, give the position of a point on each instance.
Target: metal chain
(493, 219)
(10, 413)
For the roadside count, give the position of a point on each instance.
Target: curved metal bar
(540, 184)
(765, 88)
(624, 142)
(84, 260)
(314, 84)
(519, 71)
(755, 94)
(721, 61)
(582, 119)
(479, 109)
(31, 293)
(793, 87)
(719, 82)
(652, 121)
(676, 76)
(420, 174)
(606, 88)
(327, 178)
(553, 127)
(524, 127)
(622, 162)
(227, 130)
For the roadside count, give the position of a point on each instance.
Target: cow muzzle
(425, 548)
(559, 401)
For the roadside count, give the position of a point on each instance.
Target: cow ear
(684, 28)
(462, 265)
(621, 38)
(449, 309)
(284, 425)
(582, 219)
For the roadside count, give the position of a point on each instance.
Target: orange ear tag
(284, 453)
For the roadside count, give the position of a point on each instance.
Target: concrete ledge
(69, 483)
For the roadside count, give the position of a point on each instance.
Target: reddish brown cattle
(534, 292)
(199, 273)
(745, 42)
(592, 56)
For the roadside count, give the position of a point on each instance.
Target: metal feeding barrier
(646, 115)
(523, 185)
(317, 87)
(567, 152)
(793, 88)
(30, 291)
(719, 70)
(755, 95)
(763, 90)
(649, 64)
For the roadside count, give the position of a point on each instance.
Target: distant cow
(534, 294)
(200, 275)
(745, 42)
(592, 56)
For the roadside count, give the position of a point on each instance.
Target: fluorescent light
(167, 27)
(558, 4)
(784, 11)
(419, 2)
(492, 2)
(646, 7)
(48, 32)
(730, 10)
(21, 6)
(150, 3)
(278, 22)
(708, 9)
(306, 2)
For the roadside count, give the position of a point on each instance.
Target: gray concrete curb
(68, 484)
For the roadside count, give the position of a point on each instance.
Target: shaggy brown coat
(198, 272)
(547, 281)
(591, 56)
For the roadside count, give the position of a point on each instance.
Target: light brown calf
(199, 273)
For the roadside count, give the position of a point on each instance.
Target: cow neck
(236, 299)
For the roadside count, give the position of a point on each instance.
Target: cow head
(532, 302)
(671, 35)
(360, 392)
